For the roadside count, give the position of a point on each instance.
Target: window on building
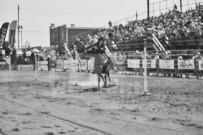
(62, 35)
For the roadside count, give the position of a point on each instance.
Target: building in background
(64, 34)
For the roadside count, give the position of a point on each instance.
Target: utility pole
(148, 9)
(181, 6)
(21, 37)
(18, 25)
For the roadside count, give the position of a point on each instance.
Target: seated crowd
(173, 24)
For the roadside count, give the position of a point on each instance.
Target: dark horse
(102, 63)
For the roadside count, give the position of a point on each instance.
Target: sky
(37, 15)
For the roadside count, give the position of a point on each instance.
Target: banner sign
(120, 62)
(59, 64)
(186, 64)
(66, 64)
(3, 64)
(28, 53)
(151, 63)
(52, 64)
(26, 67)
(3, 32)
(12, 32)
(43, 62)
(166, 64)
(74, 65)
(90, 65)
(43, 65)
(133, 63)
(200, 64)
(83, 65)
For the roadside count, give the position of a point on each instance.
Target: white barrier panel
(166, 64)
(74, 65)
(200, 64)
(26, 67)
(43, 65)
(120, 62)
(186, 64)
(43, 62)
(91, 65)
(3, 63)
(67, 64)
(83, 65)
(59, 65)
(133, 63)
(151, 63)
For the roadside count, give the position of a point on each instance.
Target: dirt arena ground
(48, 103)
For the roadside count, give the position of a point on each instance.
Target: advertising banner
(200, 64)
(166, 64)
(74, 65)
(52, 64)
(26, 67)
(43, 65)
(12, 31)
(91, 65)
(120, 62)
(43, 62)
(3, 65)
(83, 65)
(186, 64)
(59, 65)
(133, 63)
(66, 64)
(3, 32)
(151, 63)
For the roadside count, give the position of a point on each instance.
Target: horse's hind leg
(98, 75)
(107, 73)
(105, 81)
(102, 77)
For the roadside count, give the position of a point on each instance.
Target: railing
(191, 68)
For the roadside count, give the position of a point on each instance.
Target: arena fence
(190, 68)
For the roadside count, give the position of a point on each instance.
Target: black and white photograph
(101, 67)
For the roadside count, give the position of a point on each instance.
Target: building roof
(74, 27)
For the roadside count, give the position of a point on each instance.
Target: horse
(102, 63)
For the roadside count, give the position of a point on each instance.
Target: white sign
(43, 62)
(74, 64)
(200, 64)
(186, 64)
(120, 62)
(133, 63)
(43, 65)
(83, 64)
(91, 65)
(151, 63)
(66, 64)
(25, 67)
(166, 64)
(59, 64)
(28, 53)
